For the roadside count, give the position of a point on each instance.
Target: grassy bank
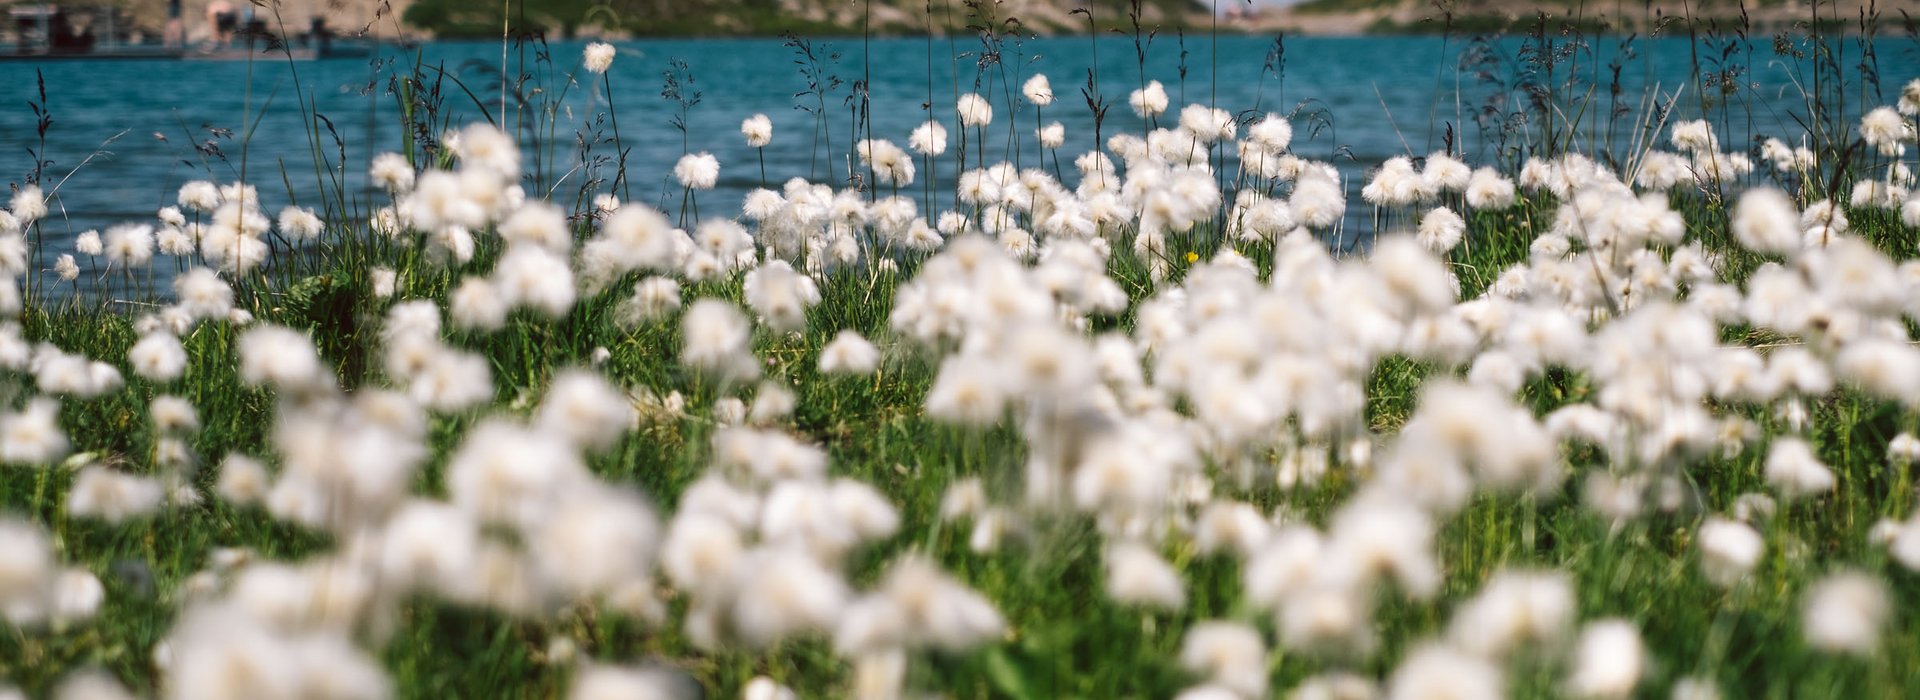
(1588, 421)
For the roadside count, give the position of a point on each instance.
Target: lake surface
(1360, 101)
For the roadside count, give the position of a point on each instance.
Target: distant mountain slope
(768, 17)
(1763, 16)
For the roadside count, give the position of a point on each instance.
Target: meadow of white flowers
(1662, 448)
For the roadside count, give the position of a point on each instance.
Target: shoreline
(1302, 24)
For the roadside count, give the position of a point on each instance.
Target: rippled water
(1384, 96)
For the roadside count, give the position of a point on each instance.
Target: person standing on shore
(221, 20)
(175, 35)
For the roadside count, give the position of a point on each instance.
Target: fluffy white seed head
(1844, 613)
(597, 57)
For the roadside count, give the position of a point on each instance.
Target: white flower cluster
(1231, 376)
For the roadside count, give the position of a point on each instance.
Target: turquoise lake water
(1360, 100)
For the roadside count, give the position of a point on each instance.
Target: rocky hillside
(1760, 18)
(565, 18)
(149, 17)
(770, 17)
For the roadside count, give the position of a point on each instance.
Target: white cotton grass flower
(88, 243)
(57, 372)
(112, 495)
(28, 205)
(91, 684)
(1435, 671)
(175, 241)
(300, 224)
(1231, 655)
(584, 408)
(653, 298)
(1729, 550)
(428, 544)
(697, 171)
(1334, 685)
(201, 196)
(928, 139)
(26, 573)
(606, 203)
(780, 295)
(702, 548)
(1903, 449)
(783, 592)
(1273, 133)
(536, 278)
(1696, 688)
(918, 606)
(891, 166)
(1207, 124)
(1888, 368)
(129, 245)
(283, 358)
(202, 294)
(1886, 131)
(1845, 612)
(1441, 229)
(243, 480)
(879, 676)
(382, 282)
(714, 336)
(172, 414)
(484, 147)
(1038, 90)
(66, 269)
(1765, 221)
(1051, 136)
(1489, 190)
(1901, 538)
(77, 596)
(1230, 526)
(31, 436)
(1822, 222)
(1793, 469)
(967, 391)
(1378, 534)
(1609, 660)
(476, 305)
(602, 539)
(964, 498)
(1138, 576)
(537, 223)
(388, 222)
(1909, 103)
(1149, 101)
(391, 172)
(1396, 184)
(772, 403)
(596, 681)
(974, 110)
(1876, 194)
(597, 57)
(1694, 136)
(849, 353)
(758, 130)
(764, 688)
(159, 357)
(1445, 173)
(1514, 611)
(13, 254)
(507, 473)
